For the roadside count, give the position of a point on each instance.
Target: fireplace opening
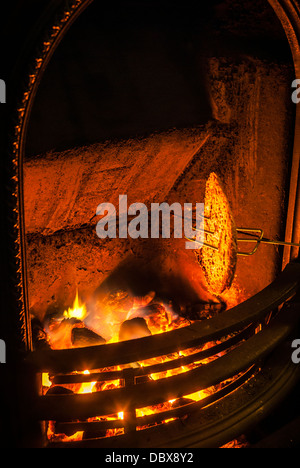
(143, 342)
(204, 111)
(167, 151)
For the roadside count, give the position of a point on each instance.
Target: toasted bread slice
(218, 265)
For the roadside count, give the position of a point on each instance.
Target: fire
(78, 311)
(46, 382)
(87, 387)
(151, 318)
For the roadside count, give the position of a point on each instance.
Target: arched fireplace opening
(122, 342)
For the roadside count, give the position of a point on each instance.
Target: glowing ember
(87, 387)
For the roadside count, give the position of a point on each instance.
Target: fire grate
(245, 336)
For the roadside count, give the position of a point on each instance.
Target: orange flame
(78, 310)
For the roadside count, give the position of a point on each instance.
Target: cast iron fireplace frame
(255, 397)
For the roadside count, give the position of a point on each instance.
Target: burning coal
(120, 316)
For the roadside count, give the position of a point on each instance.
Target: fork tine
(202, 244)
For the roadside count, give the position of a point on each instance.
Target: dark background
(128, 68)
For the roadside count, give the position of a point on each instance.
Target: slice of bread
(218, 265)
